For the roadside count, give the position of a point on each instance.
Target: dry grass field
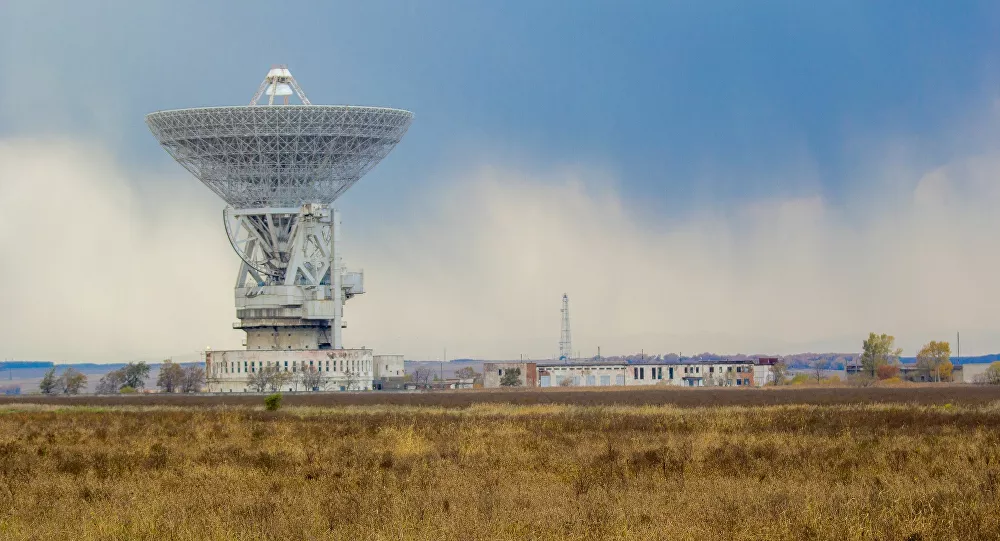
(500, 471)
(923, 394)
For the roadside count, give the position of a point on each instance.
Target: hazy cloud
(98, 267)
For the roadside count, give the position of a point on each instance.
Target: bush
(887, 371)
(272, 402)
(893, 380)
(127, 390)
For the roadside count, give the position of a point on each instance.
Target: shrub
(887, 371)
(127, 390)
(272, 402)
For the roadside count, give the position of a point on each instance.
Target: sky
(726, 176)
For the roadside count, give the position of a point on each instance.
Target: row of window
(340, 365)
(656, 372)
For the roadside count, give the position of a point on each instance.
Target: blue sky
(681, 99)
(672, 106)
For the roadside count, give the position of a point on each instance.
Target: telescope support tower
(291, 286)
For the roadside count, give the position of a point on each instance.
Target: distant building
(494, 372)
(344, 369)
(970, 372)
(743, 373)
(389, 372)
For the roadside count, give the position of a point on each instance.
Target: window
(500, 372)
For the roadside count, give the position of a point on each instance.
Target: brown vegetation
(582, 396)
(493, 471)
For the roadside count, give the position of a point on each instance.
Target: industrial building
(279, 167)
(743, 373)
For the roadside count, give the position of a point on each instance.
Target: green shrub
(272, 402)
(127, 390)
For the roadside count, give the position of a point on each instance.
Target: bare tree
(260, 379)
(112, 382)
(351, 380)
(818, 366)
(422, 376)
(277, 379)
(778, 371)
(468, 372)
(194, 378)
(312, 380)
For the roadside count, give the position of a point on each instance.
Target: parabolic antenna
(279, 156)
(280, 166)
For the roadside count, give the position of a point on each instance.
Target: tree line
(880, 361)
(172, 378)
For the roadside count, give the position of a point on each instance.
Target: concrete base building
(340, 369)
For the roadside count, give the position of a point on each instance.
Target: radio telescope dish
(279, 155)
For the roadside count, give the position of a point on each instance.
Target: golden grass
(494, 471)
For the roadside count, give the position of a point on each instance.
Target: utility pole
(958, 336)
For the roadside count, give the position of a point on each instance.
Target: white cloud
(94, 268)
(102, 264)
(482, 271)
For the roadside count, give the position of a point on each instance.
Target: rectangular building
(743, 373)
(339, 369)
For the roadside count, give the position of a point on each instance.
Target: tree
(934, 360)
(818, 366)
(422, 376)
(48, 385)
(257, 380)
(312, 380)
(71, 381)
(468, 372)
(352, 378)
(778, 371)
(135, 375)
(512, 378)
(992, 375)
(267, 378)
(112, 382)
(171, 376)
(194, 378)
(277, 378)
(879, 350)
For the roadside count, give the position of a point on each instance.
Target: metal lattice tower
(565, 341)
(280, 167)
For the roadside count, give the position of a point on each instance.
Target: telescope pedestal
(291, 286)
